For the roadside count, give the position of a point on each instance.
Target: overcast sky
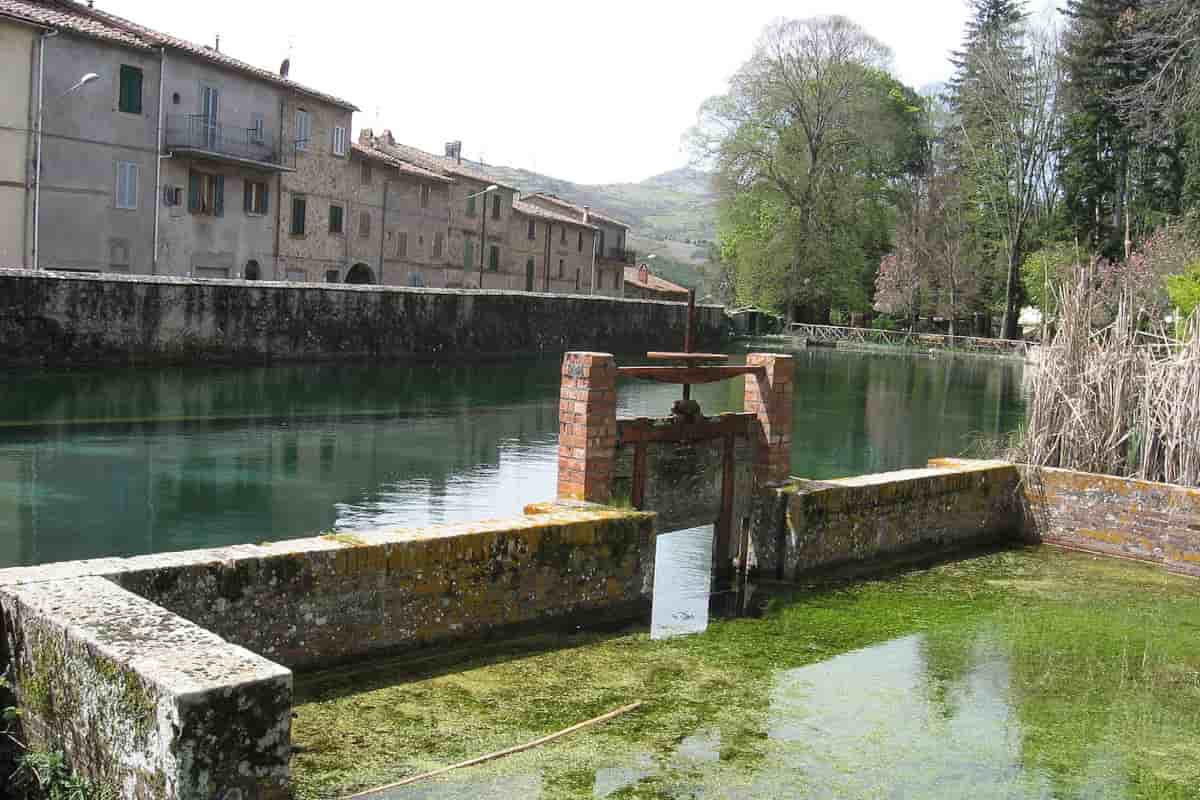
(593, 92)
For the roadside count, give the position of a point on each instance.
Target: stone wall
(152, 674)
(60, 319)
(1153, 522)
(809, 526)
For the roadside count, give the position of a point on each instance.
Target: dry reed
(1116, 399)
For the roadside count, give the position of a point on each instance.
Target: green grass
(1101, 662)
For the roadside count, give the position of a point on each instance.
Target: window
(577, 279)
(339, 140)
(299, 211)
(172, 196)
(366, 173)
(335, 219)
(562, 236)
(562, 268)
(471, 206)
(331, 276)
(251, 272)
(303, 129)
(532, 230)
(439, 242)
(468, 253)
(495, 206)
(257, 129)
(127, 184)
(424, 195)
(130, 98)
(581, 241)
(494, 258)
(206, 194)
(364, 224)
(402, 244)
(255, 201)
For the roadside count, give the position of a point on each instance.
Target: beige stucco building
(18, 40)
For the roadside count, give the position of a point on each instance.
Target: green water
(123, 462)
(1031, 673)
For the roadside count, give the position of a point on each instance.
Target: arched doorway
(251, 273)
(360, 273)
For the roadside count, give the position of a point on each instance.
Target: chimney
(366, 136)
(218, 47)
(587, 213)
(387, 136)
(454, 150)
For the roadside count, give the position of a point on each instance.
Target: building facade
(162, 156)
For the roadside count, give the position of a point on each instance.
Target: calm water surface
(124, 462)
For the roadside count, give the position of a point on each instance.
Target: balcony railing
(194, 132)
(620, 254)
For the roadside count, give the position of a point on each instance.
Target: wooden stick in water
(501, 753)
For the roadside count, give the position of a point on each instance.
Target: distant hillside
(672, 215)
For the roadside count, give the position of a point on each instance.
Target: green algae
(1099, 665)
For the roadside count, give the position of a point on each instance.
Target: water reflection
(877, 722)
(682, 582)
(123, 462)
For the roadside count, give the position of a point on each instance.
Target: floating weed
(1092, 664)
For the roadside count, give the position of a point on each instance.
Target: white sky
(594, 92)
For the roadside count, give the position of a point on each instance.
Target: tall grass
(1120, 399)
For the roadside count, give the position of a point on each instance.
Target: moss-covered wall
(816, 525)
(312, 602)
(52, 319)
(1114, 516)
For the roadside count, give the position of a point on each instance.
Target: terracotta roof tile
(653, 282)
(579, 210)
(410, 169)
(447, 166)
(78, 18)
(530, 210)
(53, 15)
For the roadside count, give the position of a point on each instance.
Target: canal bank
(58, 319)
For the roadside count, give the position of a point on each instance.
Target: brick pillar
(770, 397)
(587, 427)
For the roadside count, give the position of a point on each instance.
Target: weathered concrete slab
(141, 700)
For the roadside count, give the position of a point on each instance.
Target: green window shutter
(193, 192)
(468, 254)
(299, 208)
(494, 258)
(266, 197)
(219, 195)
(130, 98)
(470, 206)
(247, 197)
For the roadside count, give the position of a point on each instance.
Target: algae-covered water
(1031, 673)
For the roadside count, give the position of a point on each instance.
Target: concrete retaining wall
(53, 319)
(152, 674)
(809, 526)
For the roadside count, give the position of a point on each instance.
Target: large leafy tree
(807, 145)
(1005, 94)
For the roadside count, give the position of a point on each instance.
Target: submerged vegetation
(1029, 673)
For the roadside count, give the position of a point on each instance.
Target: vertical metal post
(689, 343)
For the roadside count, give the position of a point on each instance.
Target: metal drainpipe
(383, 225)
(549, 233)
(158, 157)
(595, 244)
(37, 174)
(279, 190)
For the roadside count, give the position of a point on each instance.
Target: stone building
(611, 256)
(555, 248)
(90, 204)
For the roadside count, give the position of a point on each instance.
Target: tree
(805, 145)
(1006, 95)
(898, 285)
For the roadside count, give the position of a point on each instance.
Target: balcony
(620, 255)
(193, 135)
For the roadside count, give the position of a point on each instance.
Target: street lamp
(37, 175)
(483, 236)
